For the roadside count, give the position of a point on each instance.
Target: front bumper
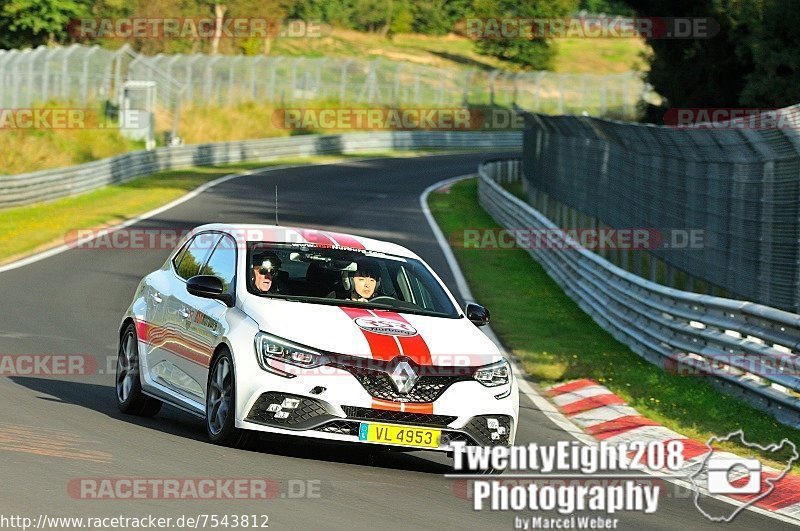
(307, 416)
(333, 401)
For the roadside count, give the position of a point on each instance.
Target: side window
(178, 257)
(420, 292)
(195, 255)
(222, 263)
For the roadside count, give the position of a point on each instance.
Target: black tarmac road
(55, 431)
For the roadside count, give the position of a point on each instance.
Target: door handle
(156, 298)
(184, 313)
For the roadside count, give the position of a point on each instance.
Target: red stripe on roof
(345, 240)
(316, 237)
(592, 402)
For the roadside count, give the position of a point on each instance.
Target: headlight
(272, 347)
(494, 374)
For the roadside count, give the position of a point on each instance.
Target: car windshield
(325, 275)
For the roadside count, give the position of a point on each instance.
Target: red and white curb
(606, 417)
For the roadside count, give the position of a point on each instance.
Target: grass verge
(36, 227)
(556, 341)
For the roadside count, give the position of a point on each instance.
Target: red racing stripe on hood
(382, 347)
(415, 346)
(386, 347)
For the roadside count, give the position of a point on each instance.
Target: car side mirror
(209, 287)
(477, 314)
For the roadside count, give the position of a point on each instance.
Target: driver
(365, 280)
(265, 267)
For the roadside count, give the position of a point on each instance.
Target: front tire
(130, 398)
(221, 404)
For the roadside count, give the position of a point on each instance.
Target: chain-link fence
(290, 80)
(85, 76)
(739, 187)
(82, 75)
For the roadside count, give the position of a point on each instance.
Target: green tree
(529, 53)
(439, 17)
(402, 17)
(33, 22)
(775, 48)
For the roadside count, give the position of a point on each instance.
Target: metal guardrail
(747, 349)
(46, 185)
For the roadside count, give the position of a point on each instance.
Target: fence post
(492, 77)
(397, 74)
(64, 69)
(85, 78)
(343, 80)
(16, 79)
(273, 78)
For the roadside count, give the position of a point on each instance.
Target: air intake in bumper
(288, 411)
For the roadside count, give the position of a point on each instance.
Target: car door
(204, 319)
(172, 335)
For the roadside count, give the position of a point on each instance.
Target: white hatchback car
(315, 334)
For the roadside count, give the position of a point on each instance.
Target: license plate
(402, 435)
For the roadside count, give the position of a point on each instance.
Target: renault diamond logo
(404, 377)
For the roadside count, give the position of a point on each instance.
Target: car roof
(284, 234)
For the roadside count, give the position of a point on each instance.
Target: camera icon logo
(723, 472)
(727, 474)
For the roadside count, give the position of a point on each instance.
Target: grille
(378, 384)
(308, 413)
(342, 427)
(419, 419)
(453, 436)
(479, 430)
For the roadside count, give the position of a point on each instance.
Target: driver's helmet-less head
(266, 262)
(366, 268)
(264, 273)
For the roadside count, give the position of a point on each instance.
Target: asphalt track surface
(54, 430)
